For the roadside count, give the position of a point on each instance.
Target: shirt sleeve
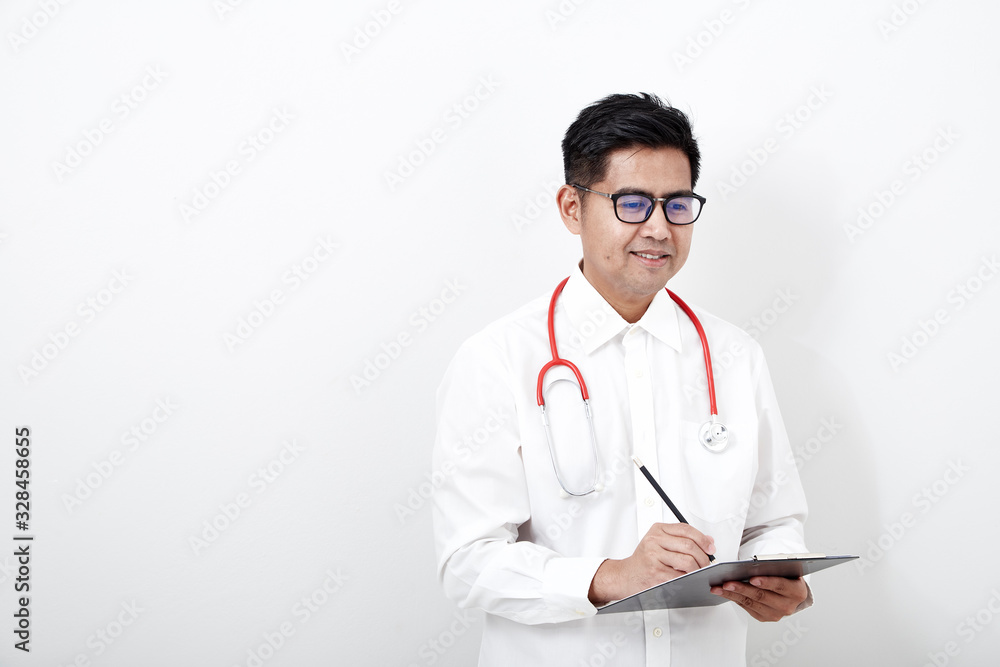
(777, 506)
(483, 500)
(777, 510)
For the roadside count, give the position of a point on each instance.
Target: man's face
(616, 254)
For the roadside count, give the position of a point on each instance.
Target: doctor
(538, 532)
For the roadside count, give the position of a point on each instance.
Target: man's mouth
(646, 255)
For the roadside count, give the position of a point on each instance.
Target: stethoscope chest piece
(714, 436)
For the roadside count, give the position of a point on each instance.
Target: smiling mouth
(645, 255)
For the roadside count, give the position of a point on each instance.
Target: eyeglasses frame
(614, 200)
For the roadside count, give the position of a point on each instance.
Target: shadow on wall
(825, 423)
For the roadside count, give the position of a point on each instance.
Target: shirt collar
(597, 322)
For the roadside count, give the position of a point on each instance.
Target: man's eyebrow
(642, 191)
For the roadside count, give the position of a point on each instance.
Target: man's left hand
(765, 598)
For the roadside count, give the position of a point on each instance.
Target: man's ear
(568, 201)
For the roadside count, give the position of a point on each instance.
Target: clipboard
(692, 589)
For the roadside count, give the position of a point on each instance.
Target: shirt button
(638, 373)
(649, 501)
(657, 632)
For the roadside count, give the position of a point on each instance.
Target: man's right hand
(667, 551)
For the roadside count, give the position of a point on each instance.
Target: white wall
(882, 95)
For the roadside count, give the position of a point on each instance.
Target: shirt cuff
(808, 602)
(567, 584)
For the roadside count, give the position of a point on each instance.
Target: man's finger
(754, 607)
(705, 542)
(768, 604)
(754, 593)
(682, 562)
(782, 586)
(683, 545)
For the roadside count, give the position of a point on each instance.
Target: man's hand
(765, 598)
(667, 551)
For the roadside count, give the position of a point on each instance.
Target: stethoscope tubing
(716, 442)
(704, 348)
(558, 361)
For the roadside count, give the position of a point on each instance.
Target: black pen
(659, 490)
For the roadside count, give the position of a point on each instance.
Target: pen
(659, 490)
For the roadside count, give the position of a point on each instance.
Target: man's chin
(646, 288)
(648, 282)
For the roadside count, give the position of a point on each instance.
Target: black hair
(619, 121)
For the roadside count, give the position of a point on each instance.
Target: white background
(884, 80)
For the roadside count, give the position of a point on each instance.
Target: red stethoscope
(713, 434)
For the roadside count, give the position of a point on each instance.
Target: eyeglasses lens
(634, 208)
(683, 210)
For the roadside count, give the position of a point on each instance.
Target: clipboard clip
(786, 556)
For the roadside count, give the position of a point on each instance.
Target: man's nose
(657, 226)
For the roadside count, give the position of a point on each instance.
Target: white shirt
(510, 543)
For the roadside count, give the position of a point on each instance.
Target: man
(539, 533)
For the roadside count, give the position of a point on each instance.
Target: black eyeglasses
(635, 208)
